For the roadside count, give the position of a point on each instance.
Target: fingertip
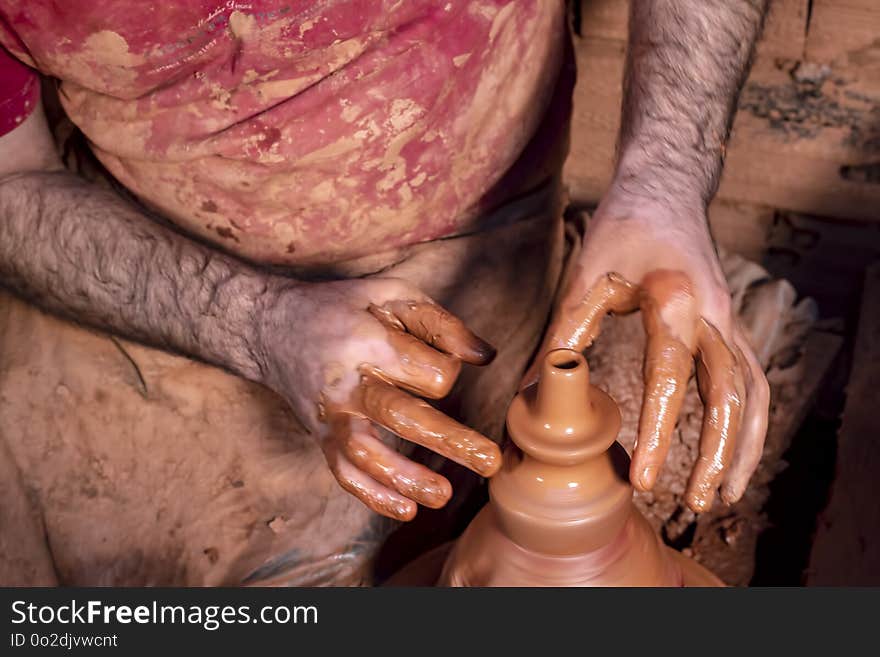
(438, 495)
(489, 461)
(483, 353)
(648, 457)
(700, 502)
(645, 478)
(731, 494)
(475, 352)
(405, 511)
(438, 381)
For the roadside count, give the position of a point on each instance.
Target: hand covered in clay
(353, 355)
(659, 259)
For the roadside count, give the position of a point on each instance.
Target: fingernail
(485, 352)
(646, 478)
(729, 494)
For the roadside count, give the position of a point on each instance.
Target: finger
(418, 367)
(368, 453)
(667, 370)
(753, 429)
(722, 388)
(437, 327)
(377, 497)
(417, 421)
(579, 323)
(579, 317)
(370, 492)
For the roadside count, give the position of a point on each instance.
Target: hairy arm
(342, 353)
(648, 245)
(686, 63)
(82, 252)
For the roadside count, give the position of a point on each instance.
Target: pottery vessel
(561, 510)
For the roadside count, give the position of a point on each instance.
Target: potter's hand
(660, 260)
(344, 354)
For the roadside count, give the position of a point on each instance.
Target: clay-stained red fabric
(19, 92)
(302, 131)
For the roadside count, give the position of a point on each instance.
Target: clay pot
(561, 510)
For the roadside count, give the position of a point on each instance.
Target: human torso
(302, 132)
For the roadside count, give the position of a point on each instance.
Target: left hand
(659, 258)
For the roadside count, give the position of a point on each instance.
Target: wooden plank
(846, 550)
(741, 228)
(805, 139)
(784, 29)
(596, 117)
(847, 31)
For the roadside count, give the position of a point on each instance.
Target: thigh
(143, 467)
(25, 559)
(148, 468)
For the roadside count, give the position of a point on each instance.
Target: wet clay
(387, 482)
(561, 511)
(722, 388)
(427, 347)
(676, 336)
(417, 421)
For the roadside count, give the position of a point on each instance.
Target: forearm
(82, 252)
(686, 63)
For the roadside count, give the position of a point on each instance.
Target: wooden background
(806, 137)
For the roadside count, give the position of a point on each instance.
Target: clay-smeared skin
(686, 62)
(722, 388)
(417, 421)
(371, 341)
(676, 335)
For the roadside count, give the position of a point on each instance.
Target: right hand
(345, 355)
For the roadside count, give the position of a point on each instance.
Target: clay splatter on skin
(372, 459)
(676, 335)
(226, 233)
(430, 345)
(422, 137)
(417, 421)
(722, 388)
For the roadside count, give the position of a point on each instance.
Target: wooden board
(596, 117)
(846, 551)
(847, 31)
(784, 29)
(741, 228)
(802, 141)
